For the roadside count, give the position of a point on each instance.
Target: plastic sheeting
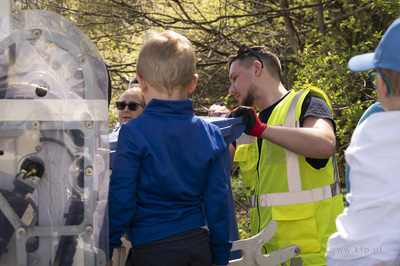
(54, 154)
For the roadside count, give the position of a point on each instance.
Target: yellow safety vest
(284, 187)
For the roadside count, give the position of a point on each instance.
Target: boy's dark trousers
(190, 248)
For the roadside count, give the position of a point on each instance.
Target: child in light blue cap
(369, 228)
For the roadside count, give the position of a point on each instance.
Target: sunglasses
(132, 106)
(372, 76)
(243, 49)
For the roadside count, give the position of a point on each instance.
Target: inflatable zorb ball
(54, 153)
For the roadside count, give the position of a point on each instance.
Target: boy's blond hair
(167, 60)
(135, 89)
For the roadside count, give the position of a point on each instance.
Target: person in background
(287, 156)
(170, 174)
(130, 105)
(368, 230)
(218, 110)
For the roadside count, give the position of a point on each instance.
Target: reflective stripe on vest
(292, 159)
(299, 197)
(296, 195)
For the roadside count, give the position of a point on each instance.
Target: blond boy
(170, 173)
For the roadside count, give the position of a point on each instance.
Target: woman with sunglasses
(130, 105)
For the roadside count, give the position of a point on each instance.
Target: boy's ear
(194, 83)
(142, 83)
(383, 88)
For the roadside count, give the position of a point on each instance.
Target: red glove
(249, 117)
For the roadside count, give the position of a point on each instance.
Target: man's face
(242, 86)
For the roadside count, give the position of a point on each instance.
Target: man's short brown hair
(269, 59)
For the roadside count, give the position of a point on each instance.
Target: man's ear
(194, 83)
(257, 68)
(142, 83)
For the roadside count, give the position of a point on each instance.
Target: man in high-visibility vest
(287, 156)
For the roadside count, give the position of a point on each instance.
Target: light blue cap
(386, 55)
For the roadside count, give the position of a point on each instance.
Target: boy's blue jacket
(170, 174)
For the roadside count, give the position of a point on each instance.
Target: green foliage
(243, 225)
(239, 190)
(112, 110)
(323, 63)
(241, 203)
